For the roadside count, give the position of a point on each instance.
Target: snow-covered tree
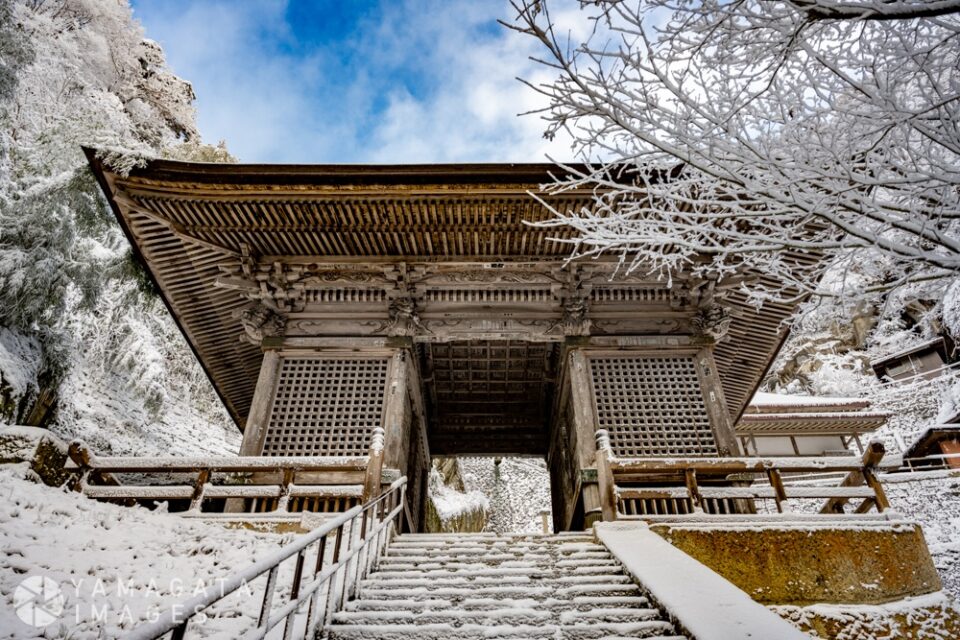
(81, 73)
(739, 129)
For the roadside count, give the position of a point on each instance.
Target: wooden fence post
(696, 501)
(371, 481)
(81, 457)
(196, 501)
(871, 458)
(605, 481)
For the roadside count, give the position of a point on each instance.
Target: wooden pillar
(585, 426)
(258, 419)
(395, 414)
(716, 404)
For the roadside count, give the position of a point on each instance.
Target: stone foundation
(801, 564)
(930, 617)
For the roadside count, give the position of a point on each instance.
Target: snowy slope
(115, 565)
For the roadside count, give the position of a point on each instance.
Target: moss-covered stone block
(930, 617)
(44, 452)
(801, 564)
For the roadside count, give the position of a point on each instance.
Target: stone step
(489, 558)
(446, 537)
(441, 631)
(562, 549)
(387, 591)
(540, 540)
(408, 564)
(459, 569)
(584, 546)
(504, 553)
(467, 579)
(579, 603)
(433, 586)
(528, 615)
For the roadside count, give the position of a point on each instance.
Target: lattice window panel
(652, 406)
(326, 406)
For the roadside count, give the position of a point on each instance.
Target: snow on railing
(645, 487)
(359, 538)
(246, 483)
(936, 462)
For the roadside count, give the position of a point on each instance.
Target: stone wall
(802, 563)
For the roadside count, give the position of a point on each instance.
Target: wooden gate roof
(186, 220)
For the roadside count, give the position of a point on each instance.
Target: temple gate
(327, 301)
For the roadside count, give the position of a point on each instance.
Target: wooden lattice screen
(652, 406)
(326, 406)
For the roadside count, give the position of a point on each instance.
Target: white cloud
(423, 81)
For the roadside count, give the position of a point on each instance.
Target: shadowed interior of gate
(489, 397)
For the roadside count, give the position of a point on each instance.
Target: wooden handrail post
(690, 477)
(82, 458)
(196, 502)
(779, 492)
(371, 481)
(605, 481)
(872, 456)
(283, 503)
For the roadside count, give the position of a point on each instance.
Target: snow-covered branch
(741, 130)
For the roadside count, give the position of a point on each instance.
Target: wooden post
(283, 502)
(716, 404)
(258, 419)
(585, 427)
(693, 490)
(395, 423)
(371, 481)
(81, 457)
(872, 456)
(779, 492)
(605, 481)
(196, 502)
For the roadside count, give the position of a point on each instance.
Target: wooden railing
(936, 462)
(280, 482)
(698, 485)
(342, 552)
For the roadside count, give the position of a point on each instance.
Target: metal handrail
(354, 562)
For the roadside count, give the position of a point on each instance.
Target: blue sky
(352, 81)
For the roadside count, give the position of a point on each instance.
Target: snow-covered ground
(933, 500)
(114, 566)
(517, 489)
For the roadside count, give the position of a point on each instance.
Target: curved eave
(802, 423)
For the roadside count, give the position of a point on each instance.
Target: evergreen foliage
(77, 73)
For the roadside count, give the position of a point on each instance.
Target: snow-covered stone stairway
(434, 586)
